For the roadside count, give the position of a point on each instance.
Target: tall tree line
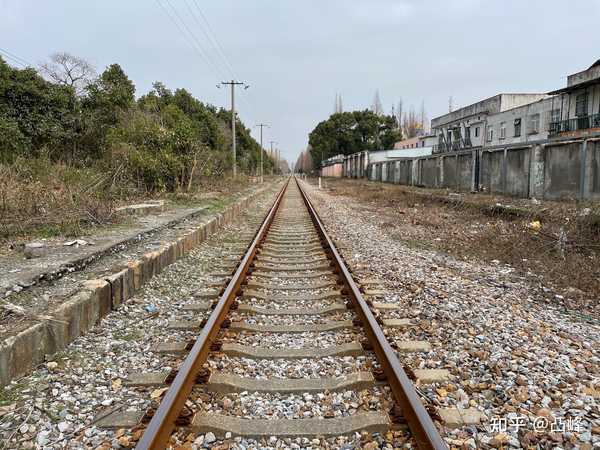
(163, 140)
(351, 132)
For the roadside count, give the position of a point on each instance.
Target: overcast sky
(297, 54)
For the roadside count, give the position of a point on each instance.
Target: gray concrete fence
(548, 170)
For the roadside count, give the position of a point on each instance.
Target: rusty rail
(160, 428)
(162, 425)
(419, 421)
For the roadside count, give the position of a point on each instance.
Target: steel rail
(159, 430)
(422, 427)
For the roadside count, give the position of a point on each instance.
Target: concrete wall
(593, 163)
(516, 178)
(334, 170)
(448, 170)
(405, 171)
(509, 101)
(428, 176)
(562, 171)
(551, 170)
(465, 168)
(491, 171)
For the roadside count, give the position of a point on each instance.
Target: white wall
(542, 107)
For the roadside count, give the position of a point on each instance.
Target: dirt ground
(555, 244)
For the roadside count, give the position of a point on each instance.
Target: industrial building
(544, 145)
(467, 127)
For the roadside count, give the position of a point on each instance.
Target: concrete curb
(20, 353)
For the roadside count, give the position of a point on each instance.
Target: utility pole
(261, 125)
(273, 168)
(233, 84)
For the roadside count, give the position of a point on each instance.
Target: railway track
(291, 303)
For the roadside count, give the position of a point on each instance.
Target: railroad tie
(370, 422)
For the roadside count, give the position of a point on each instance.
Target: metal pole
(261, 125)
(233, 84)
(273, 168)
(233, 128)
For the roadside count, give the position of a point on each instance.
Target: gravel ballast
(530, 367)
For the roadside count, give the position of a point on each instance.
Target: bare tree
(411, 123)
(399, 114)
(69, 70)
(423, 117)
(377, 107)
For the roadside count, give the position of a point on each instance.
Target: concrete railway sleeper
(291, 301)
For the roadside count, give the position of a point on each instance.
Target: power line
(215, 39)
(17, 59)
(212, 36)
(195, 39)
(208, 38)
(189, 40)
(195, 43)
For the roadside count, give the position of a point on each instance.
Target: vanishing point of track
(293, 260)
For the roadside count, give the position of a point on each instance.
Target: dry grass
(564, 253)
(45, 199)
(41, 199)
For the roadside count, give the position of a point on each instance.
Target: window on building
(518, 127)
(534, 124)
(476, 131)
(555, 115)
(581, 105)
(490, 135)
(456, 135)
(502, 130)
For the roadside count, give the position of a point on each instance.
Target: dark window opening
(581, 105)
(517, 127)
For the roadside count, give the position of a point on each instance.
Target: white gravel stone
(509, 348)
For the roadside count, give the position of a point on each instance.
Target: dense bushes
(162, 141)
(68, 151)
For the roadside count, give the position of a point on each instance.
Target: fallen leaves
(158, 393)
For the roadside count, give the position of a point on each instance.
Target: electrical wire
(211, 35)
(209, 40)
(215, 41)
(187, 38)
(223, 66)
(17, 59)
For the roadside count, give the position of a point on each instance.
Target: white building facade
(467, 127)
(527, 123)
